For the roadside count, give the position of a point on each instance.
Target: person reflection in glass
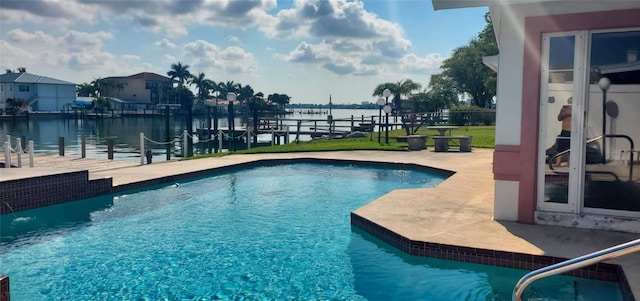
(563, 142)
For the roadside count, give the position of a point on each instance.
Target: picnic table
(442, 129)
(442, 141)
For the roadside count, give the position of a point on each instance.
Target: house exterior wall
(518, 90)
(54, 97)
(133, 91)
(11, 90)
(4, 91)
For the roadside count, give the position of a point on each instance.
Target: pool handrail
(572, 264)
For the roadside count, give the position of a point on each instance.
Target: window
(23, 88)
(615, 55)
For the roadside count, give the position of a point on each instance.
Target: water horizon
(125, 130)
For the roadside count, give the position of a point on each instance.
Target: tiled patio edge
(600, 271)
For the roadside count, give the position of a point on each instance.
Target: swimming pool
(266, 233)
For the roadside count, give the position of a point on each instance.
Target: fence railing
(19, 151)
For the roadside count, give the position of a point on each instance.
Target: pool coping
(147, 176)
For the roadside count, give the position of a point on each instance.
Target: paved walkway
(456, 212)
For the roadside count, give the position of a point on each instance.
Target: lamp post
(209, 104)
(380, 103)
(387, 109)
(167, 108)
(604, 85)
(330, 119)
(231, 97)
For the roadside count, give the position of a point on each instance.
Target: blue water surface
(267, 233)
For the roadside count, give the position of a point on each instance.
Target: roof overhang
(450, 4)
(491, 62)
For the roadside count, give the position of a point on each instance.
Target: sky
(307, 49)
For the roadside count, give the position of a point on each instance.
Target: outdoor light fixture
(604, 85)
(231, 97)
(380, 103)
(387, 109)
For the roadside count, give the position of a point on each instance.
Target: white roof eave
(451, 4)
(491, 62)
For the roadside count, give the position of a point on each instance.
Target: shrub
(471, 115)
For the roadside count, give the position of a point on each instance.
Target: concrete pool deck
(456, 212)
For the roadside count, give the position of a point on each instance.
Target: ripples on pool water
(267, 233)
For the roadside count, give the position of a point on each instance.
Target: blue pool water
(267, 233)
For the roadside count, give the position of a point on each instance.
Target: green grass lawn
(483, 137)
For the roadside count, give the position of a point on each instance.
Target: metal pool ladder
(572, 264)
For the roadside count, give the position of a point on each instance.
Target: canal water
(125, 132)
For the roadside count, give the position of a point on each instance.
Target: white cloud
(172, 17)
(75, 52)
(428, 64)
(304, 53)
(209, 57)
(165, 43)
(21, 36)
(130, 57)
(233, 39)
(346, 30)
(49, 12)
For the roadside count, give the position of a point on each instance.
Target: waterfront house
(551, 51)
(138, 91)
(41, 92)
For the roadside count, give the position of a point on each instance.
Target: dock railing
(8, 150)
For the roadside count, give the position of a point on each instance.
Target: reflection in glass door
(555, 130)
(612, 170)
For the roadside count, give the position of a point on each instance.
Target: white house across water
(551, 51)
(43, 93)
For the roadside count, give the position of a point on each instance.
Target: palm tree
(229, 86)
(18, 70)
(181, 72)
(100, 104)
(280, 99)
(405, 88)
(246, 93)
(97, 86)
(85, 89)
(393, 87)
(203, 85)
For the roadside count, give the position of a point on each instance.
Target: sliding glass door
(612, 172)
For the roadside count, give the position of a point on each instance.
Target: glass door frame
(579, 112)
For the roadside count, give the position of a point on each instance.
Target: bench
(416, 142)
(442, 143)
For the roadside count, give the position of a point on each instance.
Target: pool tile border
(599, 271)
(4, 288)
(30, 193)
(34, 192)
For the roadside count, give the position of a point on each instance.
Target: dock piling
(110, 149)
(83, 146)
(61, 146)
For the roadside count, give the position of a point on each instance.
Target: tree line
(462, 73)
(205, 89)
